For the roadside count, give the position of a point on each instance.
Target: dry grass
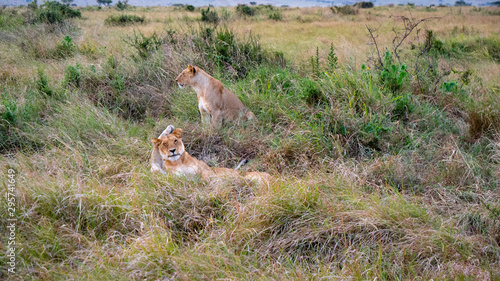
(363, 191)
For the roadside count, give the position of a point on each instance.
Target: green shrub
(245, 10)
(53, 12)
(124, 20)
(364, 5)
(73, 75)
(18, 130)
(65, 49)
(403, 106)
(275, 16)
(42, 83)
(332, 60)
(392, 75)
(315, 66)
(122, 5)
(224, 50)
(190, 8)
(209, 16)
(145, 44)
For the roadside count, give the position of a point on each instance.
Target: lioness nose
(176, 80)
(172, 150)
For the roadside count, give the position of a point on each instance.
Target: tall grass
(377, 176)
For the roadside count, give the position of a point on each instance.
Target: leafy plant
(332, 59)
(42, 83)
(73, 75)
(190, 8)
(392, 75)
(315, 67)
(65, 48)
(450, 86)
(209, 16)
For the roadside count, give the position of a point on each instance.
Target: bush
(392, 75)
(65, 49)
(145, 44)
(245, 10)
(275, 16)
(42, 84)
(73, 75)
(345, 10)
(221, 47)
(209, 16)
(364, 5)
(190, 8)
(124, 20)
(122, 5)
(53, 12)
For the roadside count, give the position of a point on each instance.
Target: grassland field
(387, 163)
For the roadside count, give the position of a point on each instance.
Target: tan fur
(215, 102)
(169, 156)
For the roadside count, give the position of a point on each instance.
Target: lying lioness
(215, 102)
(170, 156)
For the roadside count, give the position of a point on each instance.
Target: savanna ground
(387, 165)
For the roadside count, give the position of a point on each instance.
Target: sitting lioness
(170, 156)
(215, 102)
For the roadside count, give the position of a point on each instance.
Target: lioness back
(215, 102)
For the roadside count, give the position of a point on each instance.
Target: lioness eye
(175, 141)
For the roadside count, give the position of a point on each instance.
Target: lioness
(215, 102)
(170, 156)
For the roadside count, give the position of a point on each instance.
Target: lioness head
(170, 146)
(185, 77)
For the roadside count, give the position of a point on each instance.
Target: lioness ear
(156, 141)
(192, 69)
(177, 133)
(167, 131)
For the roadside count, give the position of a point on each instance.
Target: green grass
(376, 177)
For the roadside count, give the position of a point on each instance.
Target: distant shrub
(53, 12)
(124, 20)
(364, 5)
(190, 8)
(221, 47)
(245, 10)
(462, 3)
(122, 5)
(275, 16)
(145, 44)
(209, 16)
(345, 10)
